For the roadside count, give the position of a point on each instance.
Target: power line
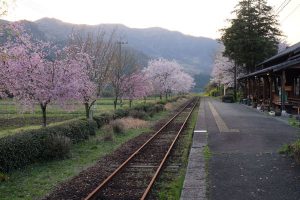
(282, 6)
(291, 13)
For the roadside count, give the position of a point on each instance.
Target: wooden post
(248, 88)
(264, 88)
(255, 89)
(283, 80)
(271, 85)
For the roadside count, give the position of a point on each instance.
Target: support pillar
(271, 87)
(283, 81)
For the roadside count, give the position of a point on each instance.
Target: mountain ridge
(195, 54)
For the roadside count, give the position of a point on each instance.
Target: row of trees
(252, 36)
(38, 72)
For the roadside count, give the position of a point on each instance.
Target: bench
(296, 104)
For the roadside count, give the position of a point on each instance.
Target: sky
(191, 17)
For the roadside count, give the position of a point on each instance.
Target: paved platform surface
(245, 163)
(194, 186)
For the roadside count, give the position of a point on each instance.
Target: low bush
(117, 126)
(76, 130)
(162, 102)
(103, 119)
(42, 144)
(120, 113)
(140, 114)
(146, 107)
(296, 150)
(28, 147)
(55, 147)
(292, 149)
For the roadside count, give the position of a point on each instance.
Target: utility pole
(117, 88)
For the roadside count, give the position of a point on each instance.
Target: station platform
(244, 162)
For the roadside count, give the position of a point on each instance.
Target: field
(36, 180)
(13, 118)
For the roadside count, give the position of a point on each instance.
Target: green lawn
(35, 181)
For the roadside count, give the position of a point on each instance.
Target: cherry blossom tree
(99, 54)
(36, 72)
(223, 70)
(183, 83)
(223, 73)
(167, 77)
(135, 86)
(125, 65)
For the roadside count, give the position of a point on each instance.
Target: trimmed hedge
(43, 144)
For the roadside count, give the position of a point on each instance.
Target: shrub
(55, 147)
(103, 119)
(285, 149)
(28, 147)
(119, 113)
(146, 107)
(42, 144)
(159, 108)
(117, 126)
(292, 150)
(156, 109)
(107, 116)
(76, 130)
(162, 102)
(140, 114)
(296, 150)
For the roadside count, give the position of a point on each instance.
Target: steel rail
(167, 154)
(93, 194)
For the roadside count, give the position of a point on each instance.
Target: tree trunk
(130, 103)
(145, 99)
(160, 96)
(235, 85)
(43, 107)
(87, 110)
(121, 102)
(166, 96)
(115, 103)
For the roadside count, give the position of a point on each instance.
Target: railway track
(134, 178)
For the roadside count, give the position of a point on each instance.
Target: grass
(170, 184)
(292, 149)
(294, 122)
(35, 181)
(207, 153)
(6, 132)
(12, 120)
